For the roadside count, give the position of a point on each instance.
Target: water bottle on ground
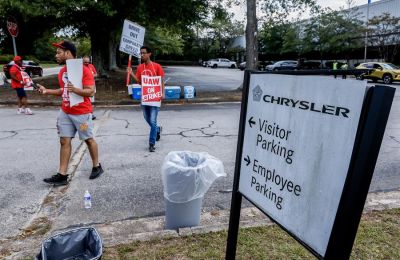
(88, 200)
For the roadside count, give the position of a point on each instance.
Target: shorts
(21, 92)
(68, 125)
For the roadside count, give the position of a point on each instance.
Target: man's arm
(14, 77)
(45, 91)
(87, 91)
(130, 71)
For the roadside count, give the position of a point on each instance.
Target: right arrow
(247, 159)
(251, 122)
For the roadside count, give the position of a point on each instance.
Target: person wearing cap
(17, 83)
(72, 119)
(86, 62)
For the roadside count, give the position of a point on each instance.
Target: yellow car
(386, 72)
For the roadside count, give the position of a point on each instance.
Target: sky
(333, 4)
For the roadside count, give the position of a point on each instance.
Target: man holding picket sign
(151, 76)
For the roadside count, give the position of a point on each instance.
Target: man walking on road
(72, 119)
(150, 112)
(17, 83)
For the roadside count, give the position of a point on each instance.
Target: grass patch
(377, 238)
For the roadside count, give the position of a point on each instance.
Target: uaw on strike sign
(151, 90)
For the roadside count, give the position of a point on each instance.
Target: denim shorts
(21, 92)
(68, 125)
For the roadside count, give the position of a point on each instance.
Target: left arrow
(251, 122)
(247, 159)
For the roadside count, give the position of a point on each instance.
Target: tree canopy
(102, 21)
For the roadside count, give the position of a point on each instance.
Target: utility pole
(251, 35)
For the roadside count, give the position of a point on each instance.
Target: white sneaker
(20, 111)
(28, 111)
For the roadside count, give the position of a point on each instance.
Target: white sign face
(75, 74)
(297, 146)
(132, 38)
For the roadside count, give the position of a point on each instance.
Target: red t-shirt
(152, 69)
(87, 80)
(15, 69)
(92, 69)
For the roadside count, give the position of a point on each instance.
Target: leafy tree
(274, 11)
(102, 20)
(35, 19)
(384, 33)
(214, 34)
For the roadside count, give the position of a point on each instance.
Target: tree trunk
(251, 36)
(100, 52)
(113, 55)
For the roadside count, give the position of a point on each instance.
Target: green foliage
(384, 33)
(6, 58)
(164, 41)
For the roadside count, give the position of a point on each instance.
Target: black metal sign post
(371, 127)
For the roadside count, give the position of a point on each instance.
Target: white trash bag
(188, 175)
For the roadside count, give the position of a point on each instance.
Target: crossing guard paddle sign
(303, 146)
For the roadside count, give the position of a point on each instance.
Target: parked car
(386, 72)
(260, 65)
(282, 65)
(30, 67)
(215, 63)
(309, 65)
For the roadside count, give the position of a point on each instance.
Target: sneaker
(96, 172)
(57, 179)
(159, 133)
(20, 111)
(93, 117)
(28, 111)
(152, 148)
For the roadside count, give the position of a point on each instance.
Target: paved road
(205, 79)
(51, 71)
(131, 186)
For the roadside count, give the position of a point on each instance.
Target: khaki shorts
(68, 125)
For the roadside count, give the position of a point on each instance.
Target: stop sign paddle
(12, 26)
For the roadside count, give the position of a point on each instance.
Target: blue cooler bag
(172, 92)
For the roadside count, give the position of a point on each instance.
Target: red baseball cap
(66, 45)
(17, 58)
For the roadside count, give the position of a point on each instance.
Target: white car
(215, 63)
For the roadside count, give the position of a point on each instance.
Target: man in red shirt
(17, 83)
(72, 119)
(150, 112)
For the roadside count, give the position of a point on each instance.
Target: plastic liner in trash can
(186, 178)
(81, 243)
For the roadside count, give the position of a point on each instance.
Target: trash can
(81, 243)
(186, 177)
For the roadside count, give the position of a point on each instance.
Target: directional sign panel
(297, 146)
(132, 38)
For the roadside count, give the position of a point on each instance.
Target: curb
(126, 231)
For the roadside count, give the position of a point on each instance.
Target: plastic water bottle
(87, 199)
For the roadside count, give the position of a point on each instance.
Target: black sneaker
(93, 117)
(152, 148)
(96, 172)
(159, 133)
(57, 179)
